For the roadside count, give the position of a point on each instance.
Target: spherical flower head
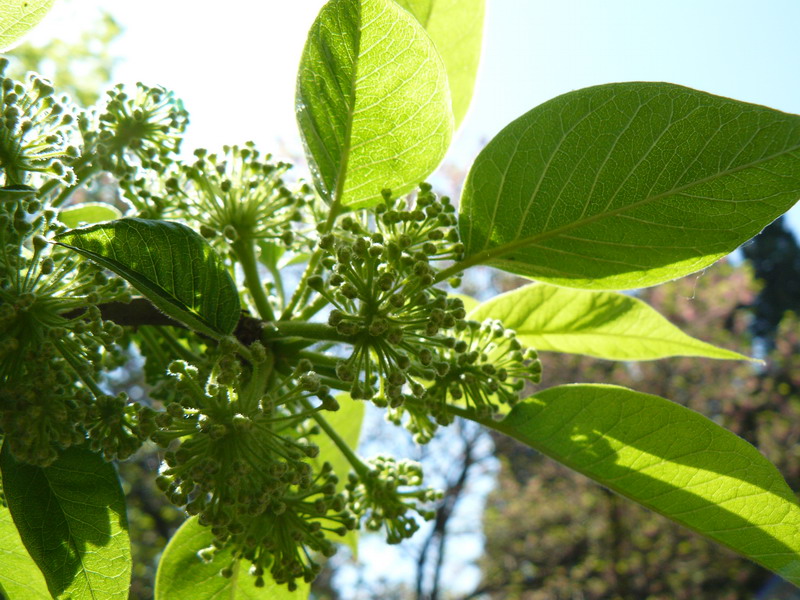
(35, 131)
(388, 496)
(239, 194)
(147, 125)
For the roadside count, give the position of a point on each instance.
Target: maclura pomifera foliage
(269, 310)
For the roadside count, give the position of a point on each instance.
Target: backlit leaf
(71, 519)
(88, 214)
(628, 185)
(183, 575)
(670, 459)
(19, 575)
(373, 103)
(602, 324)
(17, 17)
(456, 27)
(174, 267)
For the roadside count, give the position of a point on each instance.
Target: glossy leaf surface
(602, 324)
(71, 519)
(373, 103)
(627, 185)
(19, 575)
(174, 267)
(183, 575)
(670, 459)
(456, 27)
(17, 17)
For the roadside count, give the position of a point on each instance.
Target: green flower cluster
(147, 126)
(386, 496)
(413, 349)
(238, 457)
(240, 195)
(55, 345)
(34, 131)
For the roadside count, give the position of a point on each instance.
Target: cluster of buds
(239, 194)
(35, 131)
(388, 495)
(147, 125)
(238, 458)
(483, 367)
(413, 350)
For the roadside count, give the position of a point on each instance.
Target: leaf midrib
(487, 255)
(71, 541)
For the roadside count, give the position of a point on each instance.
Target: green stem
(297, 296)
(75, 365)
(276, 277)
(179, 349)
(317, 305)
(319, 358)
(155, 348)
(257, 384)
(355, 462)
(460, 266)
(314, 331)
(83, 170)
(245, 253)
(302, 291)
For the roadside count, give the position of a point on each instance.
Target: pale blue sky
(233, 62)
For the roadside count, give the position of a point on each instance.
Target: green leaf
(19, 575)
(170, 264)
(183, 575)
(17, 17)
(347, 421)
(628, 185)
(456, 27)
(71, 518)
(88, 213)
(602, 324)
(373, 104)
(670, 459)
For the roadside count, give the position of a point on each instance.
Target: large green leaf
(17, 17)
(170, 264)
(670, 459)
(628, 185)
(373, 104)
(602, 324)
(347, 422)
(71, 518)
(19, 575)
(183, 575)
(456, 27)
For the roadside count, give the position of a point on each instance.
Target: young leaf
(456, 27)
(670, 459)
(170, 264)
(183, 575)
(628, 185)
(602, 324)
(71, 518)
(88, 213)
(373, 104)
(17, 17)
(19, 575)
